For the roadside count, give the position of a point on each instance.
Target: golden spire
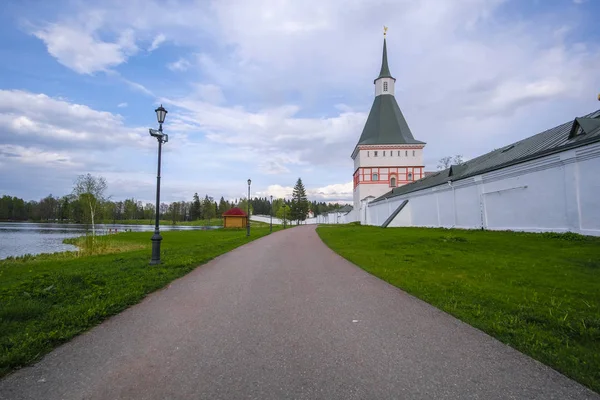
(385, 28)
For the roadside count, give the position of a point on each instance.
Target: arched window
(413, 153)
(410, 176)
(393, 181)
(375, 177)
(385, 86)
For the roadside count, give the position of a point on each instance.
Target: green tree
(195, 211)
(282, 211)
(223, 206)
(299, 207)
(91, 191)
(208, 207)
(243, 205)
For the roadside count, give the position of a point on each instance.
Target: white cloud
(122, 105)
(79, 49)
(336, 193)
(180, 65)
(36, 156)
(37, 119)
(158, 40)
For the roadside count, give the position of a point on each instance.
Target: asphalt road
(286, 318)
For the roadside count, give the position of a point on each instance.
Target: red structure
(234, 218)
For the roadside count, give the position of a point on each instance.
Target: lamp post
(283, 213)
(248, 219)
(271, 224)
(161, 113)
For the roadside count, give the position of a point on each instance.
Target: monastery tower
(386, 155)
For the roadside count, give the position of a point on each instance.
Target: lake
(20, 238)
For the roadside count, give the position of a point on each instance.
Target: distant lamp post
(283, 213)
(271, 224)
(248, 219)
(161, 113)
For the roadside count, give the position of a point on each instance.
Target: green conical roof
(385, 70)
(386, 124)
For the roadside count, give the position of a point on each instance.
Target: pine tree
(299, 207)
(196, 208)
(223, 206)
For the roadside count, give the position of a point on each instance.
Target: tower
(386, 155)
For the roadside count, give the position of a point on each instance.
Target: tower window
(375, 153)
(406, 153)
(368, 154)
(393, 181)
(384, 153)
(385, 86)
(413, 153)
(375, 177)
(410, 176)
(398, 153)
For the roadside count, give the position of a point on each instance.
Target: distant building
(387, 155)
(235, 218)
(546, 182)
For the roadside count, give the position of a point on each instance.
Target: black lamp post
(161, 113)
(271, 224)
(283, 213)
(248, 219)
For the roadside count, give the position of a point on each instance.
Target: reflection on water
(19, 238)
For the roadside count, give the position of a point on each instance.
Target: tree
(243, 205)
(196, 209)
(281, 212)
(223, 206)
(299, 207)
(90, 190)
(208, 207)
(446, 162)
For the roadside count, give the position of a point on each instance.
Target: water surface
(19, 238)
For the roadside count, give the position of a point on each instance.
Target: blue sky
(274, 90)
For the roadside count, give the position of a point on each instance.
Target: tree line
(87, 200)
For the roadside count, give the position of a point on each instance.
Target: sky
(274, 90)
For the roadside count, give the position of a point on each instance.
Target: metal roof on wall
(571, 134)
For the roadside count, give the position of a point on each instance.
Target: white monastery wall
(559, 192)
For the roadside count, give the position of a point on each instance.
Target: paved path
(286, 318)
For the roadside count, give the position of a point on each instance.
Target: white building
(386, 155)
(547, 182)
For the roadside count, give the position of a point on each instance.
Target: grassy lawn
(201, 222)
(48, 299)
(539, 293)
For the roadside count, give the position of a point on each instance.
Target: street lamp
(248, 219)
(271, 225)
(161, 113)
(283, 213)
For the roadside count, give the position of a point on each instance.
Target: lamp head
(161, 114)
(249, 182)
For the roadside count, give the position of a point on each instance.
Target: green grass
(201, 222)
(48, 299)
(539, 293)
